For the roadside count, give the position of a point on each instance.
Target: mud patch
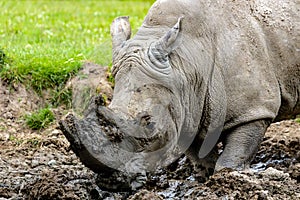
(280, 149)
(40, 165)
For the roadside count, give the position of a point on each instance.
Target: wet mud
(41, 165)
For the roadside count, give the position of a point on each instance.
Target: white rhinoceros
(197, 72)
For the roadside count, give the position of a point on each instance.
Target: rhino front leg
(241, 145)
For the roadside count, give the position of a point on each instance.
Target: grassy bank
(43, 43)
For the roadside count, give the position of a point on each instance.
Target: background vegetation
(44, 43)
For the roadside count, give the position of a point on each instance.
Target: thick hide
(196, 73)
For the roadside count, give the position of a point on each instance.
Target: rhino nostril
(144, 118)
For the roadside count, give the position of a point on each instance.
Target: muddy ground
(40, 164)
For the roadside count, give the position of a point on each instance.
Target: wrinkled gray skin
(233, 64)
(246, 52)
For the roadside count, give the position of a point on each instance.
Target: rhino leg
(204, 167)
(241, 145)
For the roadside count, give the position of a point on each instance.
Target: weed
(16, 140)
(110, 78)
(34, 142)
(2, 128)
(61, 96)
(39, 120)
(2, 57)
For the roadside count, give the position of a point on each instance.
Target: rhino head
(145, 87)
(142, 127)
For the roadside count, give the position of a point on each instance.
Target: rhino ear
(166, 44)
(120, 31)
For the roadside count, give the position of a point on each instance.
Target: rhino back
(281, 24)
(255, 45)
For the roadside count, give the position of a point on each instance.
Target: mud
(40, 164)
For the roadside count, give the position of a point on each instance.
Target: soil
(40, 164)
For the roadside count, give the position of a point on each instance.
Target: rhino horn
(166, 44)
(105, 141)
(120, 31)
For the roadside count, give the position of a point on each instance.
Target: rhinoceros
(196, 73)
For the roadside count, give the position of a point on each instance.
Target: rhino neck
(202, 89)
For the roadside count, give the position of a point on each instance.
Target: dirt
(40, 164)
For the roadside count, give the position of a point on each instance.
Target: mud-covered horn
(167, 43)
(120, 31)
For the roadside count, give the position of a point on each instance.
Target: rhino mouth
(107, 142)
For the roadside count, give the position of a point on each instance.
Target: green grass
(44, 43)
(39, 120)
